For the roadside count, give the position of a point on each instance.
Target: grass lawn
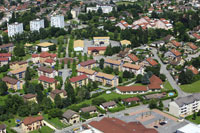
(2, 98)
(138, 84)
(55, 122)
(168, 86)
(44, 129)
(28, 56)
(191, 88)
(197, 120)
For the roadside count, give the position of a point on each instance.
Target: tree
(108, 70)
(58, 101)
(63, 64)
(27, 74)
(198, 113)
(194, 116)
(186, 77)
(70, 90)
(68, 64)
(40, 96)
(23, 111)
(80, 57)
(153, 104)
(160, 104)
(39, 49)
(55, 113)
(98, 101)
(19, 50)
(69, 15)
(99, 11)
(162, 77)
(3, 88)
(85, 57)
(101, 63)
(139, 78)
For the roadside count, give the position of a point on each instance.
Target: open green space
(191, 88)
(55, 122)
(2, 99)
(167, 85)
(44, 129)
(190, 118)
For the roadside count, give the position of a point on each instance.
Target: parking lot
(162, 122)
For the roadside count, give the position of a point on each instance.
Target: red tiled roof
(78, 78)
(29, 96)
(49, 61)
(114, 125)
(192, 46)
(35, 55)
(53, 55)
(7, 45)
(175, 43)
(132, 88)
(133, 57)
(193, 69)
(86, 63)
(196, 35)
(30, 120)
(136, 99)
(154, 86)
(152, 61)
(4, 59)
(176, 52)
(47, 79)
(97, 48)
(9, 80)
(155, 79)
(5, 54)
(44, 54)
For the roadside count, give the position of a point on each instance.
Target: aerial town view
(99, 66)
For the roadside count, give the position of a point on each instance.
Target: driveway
(168, 75)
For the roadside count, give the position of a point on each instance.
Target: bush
(116, 109)
(98, 101)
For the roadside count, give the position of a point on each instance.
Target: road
(168, 75)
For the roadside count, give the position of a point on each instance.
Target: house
(44, 46)
(155, 83)
(50, 62)
(191, 47)
(184, 106)
(189, 128)
(30, 98)
(8, 47)
(196, 36)
(79, 81)
(175, 43)
(96, 50)
(75, 12)
(125, 42)
(2, 128)
(84, 71)
(193, 69)
(101, 41)
(18, 64)
(78, 45)
(48, 72)
(3, 61)
(157, 44)
(131, 89)
(42, 57)
(128, 101)
(62, 93)
(6, 55)
(90, 110)
(154, 96)
(107, 79)
(71, 117)
(115, 64)
(87, 64)
(136, 69)
(13, 83)
(168, 38)
(108, 125)
(151, 61)
(48, 82)
(108, 105)
(173, 53)
(32, 123)
(35, 58)
(133, 58)
(123, 25)
(19, 73)
(71, 60)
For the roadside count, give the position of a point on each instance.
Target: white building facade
(58, 21)
(14, 29)
(36, 25)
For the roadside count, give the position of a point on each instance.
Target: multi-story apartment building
(36, 25)
(115, 64)
(14, 29)
(184, 106)
(48, 72)
(58, 21)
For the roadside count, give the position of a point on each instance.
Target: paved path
(168, 75)
(67, 49)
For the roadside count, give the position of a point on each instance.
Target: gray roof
(88, 109)
(107, 104)
(68, 114)
(188, 99)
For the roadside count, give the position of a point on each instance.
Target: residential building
(58, 21)
(8, 47)
(48, 82)
(151, 61)
(133, 58)
(32, 123)
(107, 79)
(96, 50)
(173, 54)
(30, 98)
(89, 64)
(108, 105)
(78, 45)
(44, 46)
(108, 125)
(19, 73)
(131, 89)
(36, 25)
(62, 93)
(3, 61)
(136, 69)
(46, 71)
(157, 44)
(115, 64)
(123, 25)
(50, 62)
(42, 57)
(191, 48)
(189, 128)
(101, 41)
(155, 83)
(14, 29)
(155, 96)
(193, 69)
(196, 36)
(79, 81)
(6, 55)
(89, 72)
(105, 8)
(18, 64)
(90, 110)
(75, 12)
(129, 101)
(13, 83)
(125, 42)
(2, 128)
(184, 106)
(71, 117)
(175, 44)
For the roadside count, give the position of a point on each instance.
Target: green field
(167, 85)
(44, 129)
(191, 88)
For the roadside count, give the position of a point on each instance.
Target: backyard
(44, 129)
(190, 118)
(191, 88)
